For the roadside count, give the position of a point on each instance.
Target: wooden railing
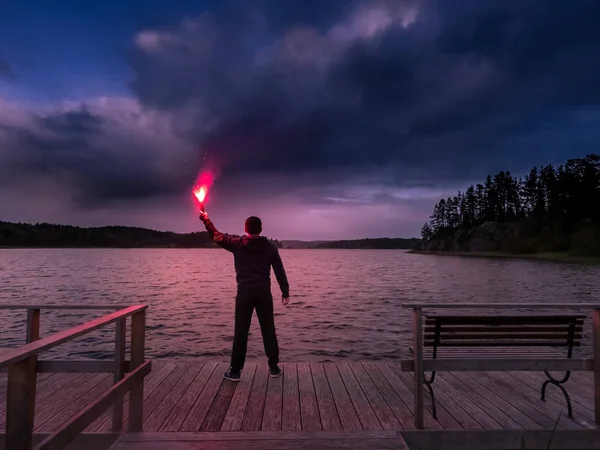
(22, 365)
(419, 365)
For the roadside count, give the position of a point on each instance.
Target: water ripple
(348, 301)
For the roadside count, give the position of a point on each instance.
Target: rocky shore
(517, 240)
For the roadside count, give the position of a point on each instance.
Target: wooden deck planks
(256, 402)
(102, 423)
(237, 408)
(263, 440)
(71, 409)
(455, 397)
(555, 400)
(395, 402)
(201, 406)
(150, 386)
(218, 408)
(330, 418)
(156, 399)
(454, 406)
(382, 410)
(364, 410)
(533, 407)
(291, 420)
(70, 395)
(185, 404)
(272, 415)
(160, 414)
(46, 387)
(494, 410)
(309, 410)
(499, 411)
(345, 408)
(401, 388)
(580, 394)
(321, 444)
(332, 397)
(516, 407)
(518, 402)
(444, 417)
(44, 398)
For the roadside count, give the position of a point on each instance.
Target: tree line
(53, 235)
(565, 196)
(372, 243)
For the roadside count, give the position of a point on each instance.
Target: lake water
(345, 303)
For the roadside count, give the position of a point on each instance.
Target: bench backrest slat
(507, 336)
(504, 320)
(505, 329)
(502, 330)
(502, 343)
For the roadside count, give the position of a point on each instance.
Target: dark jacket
(253, 258)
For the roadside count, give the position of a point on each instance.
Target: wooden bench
(509, 336)
(496, 343)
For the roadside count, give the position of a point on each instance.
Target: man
(253, 256)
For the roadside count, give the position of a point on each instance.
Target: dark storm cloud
(430, 91)
(552, 42)
(76, 148)
(448, 87)
(80, 122)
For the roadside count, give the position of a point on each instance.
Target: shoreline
(70, 247)
(9, 247)
(548, 257)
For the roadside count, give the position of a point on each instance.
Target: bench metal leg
(428, 383)
(559, 384)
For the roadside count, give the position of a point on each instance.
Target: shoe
(231, 375)
(275, 372)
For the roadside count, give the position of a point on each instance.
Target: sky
(329, 119)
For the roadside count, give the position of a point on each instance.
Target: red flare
(200, 193)
(203, 183)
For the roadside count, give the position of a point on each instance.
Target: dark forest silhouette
(372, 243)
(561, 204)
(51, 235)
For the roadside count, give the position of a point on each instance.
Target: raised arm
(280, 275)
(224, 240)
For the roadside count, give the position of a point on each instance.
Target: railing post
(120, 336)
(136, 396)
(20, 401)
(20, 404)
(418, 359)
(596, 350)
(33, 325)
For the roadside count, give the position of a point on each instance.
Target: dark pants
(246, 301)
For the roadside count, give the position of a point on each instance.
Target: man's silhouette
(253, 256)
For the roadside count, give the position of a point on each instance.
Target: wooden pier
(185, 397)
(348, 396)
(137, 404)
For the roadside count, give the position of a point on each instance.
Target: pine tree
(565, 195)
(426, 232)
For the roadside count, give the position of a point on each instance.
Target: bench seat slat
(494, 352)
(500, 364)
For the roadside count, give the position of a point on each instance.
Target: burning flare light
(203, 183)
(200, 193)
